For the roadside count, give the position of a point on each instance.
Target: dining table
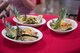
(51, 42)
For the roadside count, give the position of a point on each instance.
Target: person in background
(78, 17)
(38, 2)
(24, 6)
(4, 8)
(50, 6)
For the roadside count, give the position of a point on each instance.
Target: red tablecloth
(50, 43)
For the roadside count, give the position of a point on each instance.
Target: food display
(30, 19)
(62, 24)
(20, 33)
(26, 19)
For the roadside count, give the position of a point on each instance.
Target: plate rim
(44, 21)
(48, 25)
(4, 32)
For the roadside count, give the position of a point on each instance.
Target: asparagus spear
(62, 15)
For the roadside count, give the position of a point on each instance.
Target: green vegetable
(14, 11)
(29, 35)
(62, 15)
(9, 29)
(68, 29)
(10, 36)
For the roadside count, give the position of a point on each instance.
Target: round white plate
(33, 25)
(40, 35)
(74, 26)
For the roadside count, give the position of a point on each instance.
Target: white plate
(40, 35)
(34, 25)
(74, 26)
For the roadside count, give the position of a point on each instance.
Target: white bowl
(33, 25)
(74, 26)
(23, 42)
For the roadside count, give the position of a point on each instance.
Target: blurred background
(53, 7)
(42, 7)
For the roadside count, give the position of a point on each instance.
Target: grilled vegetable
(29, 35)
(62, 15)
(10, 30)
(16, 13)
(68, 29)
(19, 34)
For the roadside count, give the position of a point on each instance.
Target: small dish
(74, 26)
(39, 35)
(43, 21)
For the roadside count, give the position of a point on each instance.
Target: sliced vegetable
(29, 35)
(68, 29)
